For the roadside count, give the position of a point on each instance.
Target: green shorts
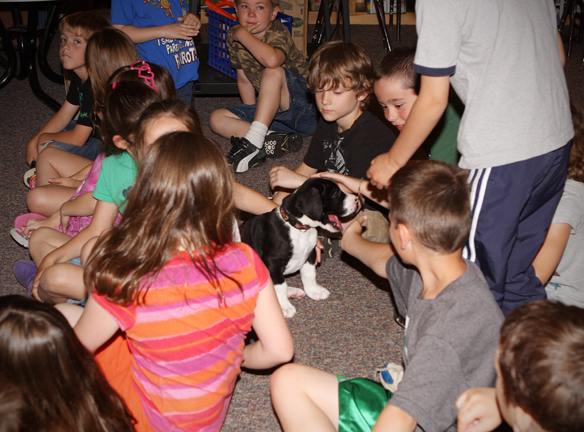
(361, 400)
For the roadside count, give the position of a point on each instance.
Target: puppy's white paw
(317, 292)
(288, 310)
(295, 292)
(282, 294)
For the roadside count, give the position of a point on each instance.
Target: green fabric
(361, 400)
(441, 144)
(118, 173)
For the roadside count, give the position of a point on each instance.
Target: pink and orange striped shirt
(186, 344)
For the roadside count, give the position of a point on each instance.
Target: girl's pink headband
(144, 72)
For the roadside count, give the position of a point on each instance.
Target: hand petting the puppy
(282, 177)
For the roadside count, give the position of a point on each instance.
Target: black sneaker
(244, 155)
(277, 144)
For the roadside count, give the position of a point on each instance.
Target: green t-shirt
(278, 37)
(118, 173)
(441, 143)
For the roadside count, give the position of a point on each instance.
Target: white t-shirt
(504, 60)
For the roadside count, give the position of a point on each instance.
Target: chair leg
(380, 12)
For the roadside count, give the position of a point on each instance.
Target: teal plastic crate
(218, 27)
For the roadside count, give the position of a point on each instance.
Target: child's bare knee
(39, 237)
(283, 376)
(62, 280)
(272, 74)
(216, 118)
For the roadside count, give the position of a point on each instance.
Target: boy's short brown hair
(399, 64)
(275, 3)
(541, 359)
(340, 64)
(432, 199)
(84, 24)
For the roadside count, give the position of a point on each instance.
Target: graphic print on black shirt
(335, 160)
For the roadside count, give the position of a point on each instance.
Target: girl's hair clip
(114, 85)
(145, 73)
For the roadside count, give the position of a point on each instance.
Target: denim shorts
(90, 150)
(302, 116)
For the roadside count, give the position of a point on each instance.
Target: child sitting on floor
(396, 88)
(62, 130)
(559, 262)
(48, 380)
(540, 374)
(452, 320)
(347, 137)
(107, 51)
(126, 99)
(183, 292)
(269, 64)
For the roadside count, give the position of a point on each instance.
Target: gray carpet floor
(350, 333)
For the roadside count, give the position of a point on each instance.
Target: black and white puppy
(286, 237)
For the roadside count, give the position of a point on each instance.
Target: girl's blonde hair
(182, 199)
(84, 24)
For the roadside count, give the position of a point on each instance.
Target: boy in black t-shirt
(347, 137)
(74, 30)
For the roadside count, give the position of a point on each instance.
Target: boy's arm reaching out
(357, 186)
(250, 201)
(284, 178)
(373, 255)
(425, 114)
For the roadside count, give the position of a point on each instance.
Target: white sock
(256, 134)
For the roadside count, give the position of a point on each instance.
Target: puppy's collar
(293, 221)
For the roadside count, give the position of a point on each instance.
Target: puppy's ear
(308, 203)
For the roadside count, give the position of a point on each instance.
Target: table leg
(346, 20)
(10, 71)
(29, 55)
(44, 43)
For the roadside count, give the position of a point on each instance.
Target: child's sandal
(30, 178)
(390, 376)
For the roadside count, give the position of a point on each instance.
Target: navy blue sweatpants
(512, 209)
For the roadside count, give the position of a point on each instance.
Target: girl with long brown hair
(170, 277)
(48, 380)
(129, 92)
